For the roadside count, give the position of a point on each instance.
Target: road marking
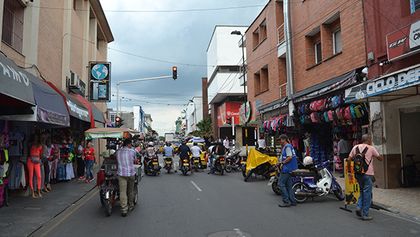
(196, 186)
(239, 232)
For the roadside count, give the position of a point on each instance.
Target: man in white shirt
(196, 151)
(261, 142)
(226, 143)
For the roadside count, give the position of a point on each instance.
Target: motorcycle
(316, 182)
(152, 166)
(233, 161)
(109, 192)
(203, 160)
(274, 180)
(196, 163)
(168, 164)
(185, 166)
(219, 164)
(259, 164)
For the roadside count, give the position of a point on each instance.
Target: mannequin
(34, 166)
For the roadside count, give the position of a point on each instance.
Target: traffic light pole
(135, 80)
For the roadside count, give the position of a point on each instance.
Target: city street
(214, 205)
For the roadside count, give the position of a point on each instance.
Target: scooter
(232, 161)
(196, 163)
(316, 182)
(168, 164)
(152, 166)
(185, 166)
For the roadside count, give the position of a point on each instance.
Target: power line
(157, 11)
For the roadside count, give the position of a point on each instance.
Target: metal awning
(14, 81)
(278, 104)
(341, 82)
(396, 85)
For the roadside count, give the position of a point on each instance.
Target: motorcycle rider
(184, 152)
(218, 150)
(288, 160)
(126, 157)
(168, 151)
(150, 153)
(196, 151)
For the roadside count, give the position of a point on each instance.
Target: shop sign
(228, 110)
(99, 81)
(384, 85)
(47, 116)
(81, 113)
(245, 116)
(403, 42)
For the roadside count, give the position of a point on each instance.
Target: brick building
(392, 45)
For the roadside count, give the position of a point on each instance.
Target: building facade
(194, 113)
(266, 63)
(139, 119)
(392, 45)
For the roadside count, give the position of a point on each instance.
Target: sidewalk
(25, 214)
(405, 201)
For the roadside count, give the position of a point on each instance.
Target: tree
(204, 128)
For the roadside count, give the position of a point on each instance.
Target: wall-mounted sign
(245, 112)
(403, 42)
(386, 84)
(228, 110)
(100, 81)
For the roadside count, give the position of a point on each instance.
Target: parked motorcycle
(185, 166)
(168, 164)
(274, 180)
(152, 166)
(259, 164)
(233, 161)
(315, 182)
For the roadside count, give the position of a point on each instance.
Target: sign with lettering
(397, 81)
(403, 42)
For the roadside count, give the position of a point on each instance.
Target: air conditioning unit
(74, 80)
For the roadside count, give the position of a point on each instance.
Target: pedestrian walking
(288, 161)
(126, 157)
(80, 162)
(362, 156)
(89, 155)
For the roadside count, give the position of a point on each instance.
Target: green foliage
(204, 128)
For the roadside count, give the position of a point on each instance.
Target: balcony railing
(280, 34)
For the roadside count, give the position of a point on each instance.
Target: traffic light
(118, 122)
(229, 120)
(174, 72)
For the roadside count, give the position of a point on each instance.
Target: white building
(224, 57)
(193, 113)
(225, 84)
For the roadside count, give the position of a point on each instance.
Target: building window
(12, 32)
(318, 52)
(337, 45)
(264, 79)
(414, 6)
(263, 31)
(113, 118)
(257, 82)
(255, 38)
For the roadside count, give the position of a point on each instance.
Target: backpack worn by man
(360, 164)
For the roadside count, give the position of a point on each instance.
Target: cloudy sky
(149, 41)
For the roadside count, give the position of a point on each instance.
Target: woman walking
(89, 154)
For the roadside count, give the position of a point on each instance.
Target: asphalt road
(214, 205)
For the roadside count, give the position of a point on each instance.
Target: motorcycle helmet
(150, 144)
(308, 161)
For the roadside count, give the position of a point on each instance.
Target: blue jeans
(89, 167)
(285, 184)
(365, 199)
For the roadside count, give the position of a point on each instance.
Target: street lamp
(237, 32)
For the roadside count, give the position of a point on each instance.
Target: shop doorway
(410, 144)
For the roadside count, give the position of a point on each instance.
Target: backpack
(360, 164)
(315, 117)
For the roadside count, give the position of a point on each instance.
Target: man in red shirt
(89, 155)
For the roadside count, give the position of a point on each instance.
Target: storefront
(395, 114)
(321, 118)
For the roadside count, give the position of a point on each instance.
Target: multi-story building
(55, 41)
(392, 45)
(266, 63)
(194, 113)
(225, 81)
(148, 123)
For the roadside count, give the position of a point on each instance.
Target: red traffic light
(174, 72)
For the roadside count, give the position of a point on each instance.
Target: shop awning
(74, 107)
(94, 113)
(396, 85)
(341, 82)
(95, 133)
(50, 107)
(273, 105)
(14, 81)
